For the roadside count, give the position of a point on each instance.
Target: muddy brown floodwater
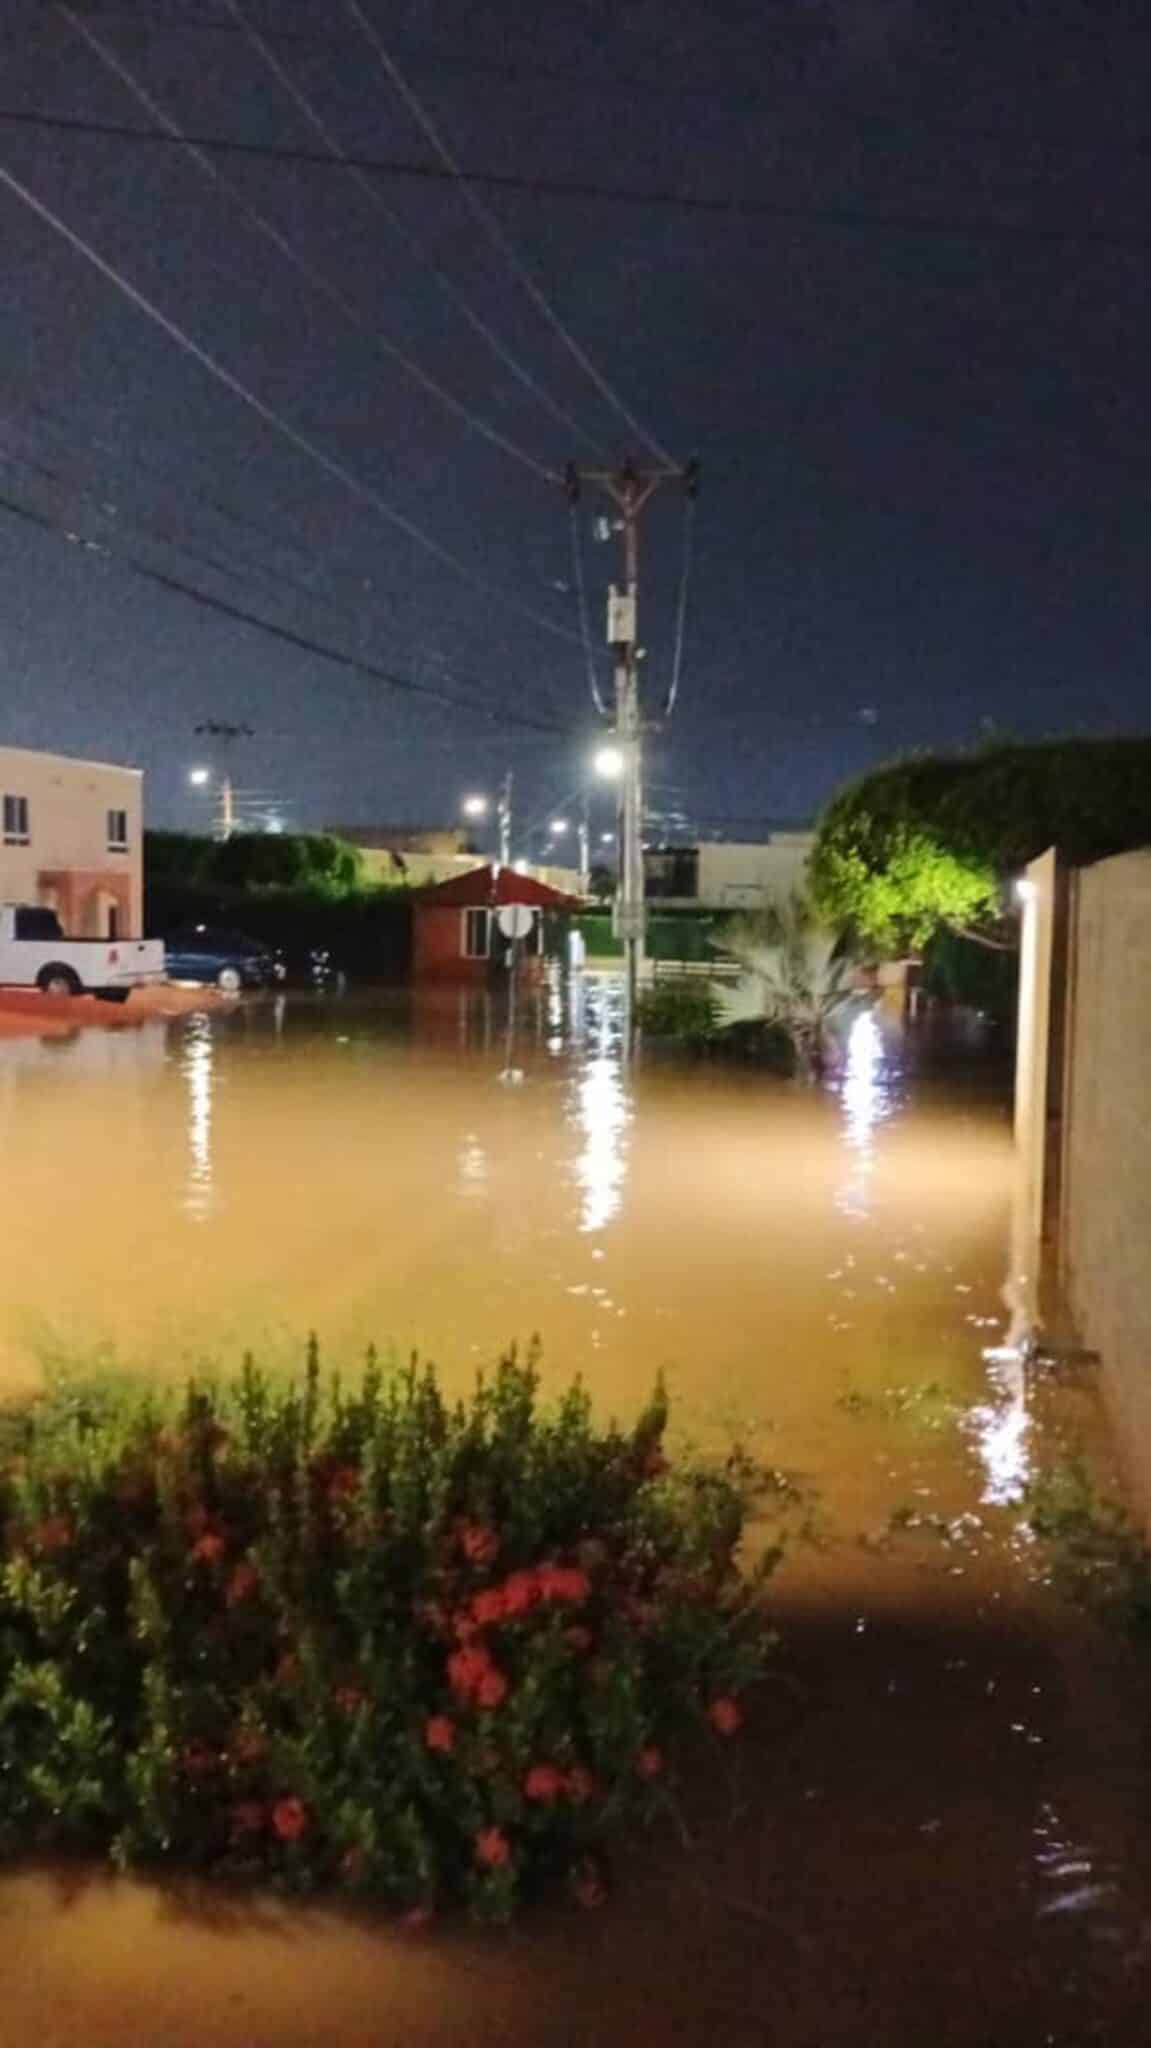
(934, 1832)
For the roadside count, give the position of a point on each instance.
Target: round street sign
(516, 920)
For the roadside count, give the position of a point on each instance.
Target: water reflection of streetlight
(602, 1110)
(866, 1100)
(197, 1065)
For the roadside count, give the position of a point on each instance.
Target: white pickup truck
(34, 953)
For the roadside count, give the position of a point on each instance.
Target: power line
(850, 218)
(95, 493)
(581, 600)
(268, 413)
(301, 641)
(495, 233)
(681, 603)
(418, 248)
(632, 84)
(315, 278)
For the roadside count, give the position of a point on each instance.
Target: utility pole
(220, 729)
(629, 488)
(584, 832)
(504, 819)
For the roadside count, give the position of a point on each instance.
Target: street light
(609, 762)
(475, 807)
(558, 827)
(607, 838)
(199, 777)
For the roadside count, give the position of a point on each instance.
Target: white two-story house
(71, 838)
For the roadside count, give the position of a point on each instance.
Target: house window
(117, 831)
(16, 832)
(477, 935)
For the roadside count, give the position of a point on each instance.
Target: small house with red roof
(456, 929)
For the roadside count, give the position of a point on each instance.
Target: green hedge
(353, 1637)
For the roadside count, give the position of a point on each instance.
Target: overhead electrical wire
(306, 106)
(681, 605)
(267, 413)
(850, 219)
(303, 642)
(97, 493)
(495, 233)
(307, 270)
(581, 601)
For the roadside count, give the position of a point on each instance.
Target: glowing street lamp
(475, 807)
(609, 762)
(558, 827)
(199, 777)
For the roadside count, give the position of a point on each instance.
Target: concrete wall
(1105, 1155)
(735, 877)
(68, 862)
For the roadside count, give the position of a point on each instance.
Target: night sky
(925, 510)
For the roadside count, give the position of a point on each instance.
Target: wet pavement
(934, 1830)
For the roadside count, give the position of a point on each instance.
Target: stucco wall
(1106, 1150)
(68, 805)
(740, 877)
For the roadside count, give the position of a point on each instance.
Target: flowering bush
(320, 1636)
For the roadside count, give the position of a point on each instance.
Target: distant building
(418, 856)
(456, 935)
(410, 855)
(71, 839)
(726, 875)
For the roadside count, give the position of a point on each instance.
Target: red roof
(481, 885)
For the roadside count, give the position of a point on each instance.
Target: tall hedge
(931, 843)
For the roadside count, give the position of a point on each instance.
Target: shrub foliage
(320, 1635)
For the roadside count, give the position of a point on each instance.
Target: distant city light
(609, 763)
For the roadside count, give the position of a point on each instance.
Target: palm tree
(797, 974)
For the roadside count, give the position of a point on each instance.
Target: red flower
(209, 1549)
(488, 1607)
(344, 1483)
(493, 1849)
(242, 1584)
(54, 1533)
(579, 1785)
(543, 1784)
(247, 1817)
(649, 1762)
(492, 1689)
(563, 1582)
(579, 1637)
(725, 1715)
(466, 1668)
(250, 1746)
(479, 1543)
(440, 1733)
(289, 1819)
(520, 1593)
(349, 1699)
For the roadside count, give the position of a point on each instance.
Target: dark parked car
(229, 960)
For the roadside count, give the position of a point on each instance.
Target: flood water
(937, 1834)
